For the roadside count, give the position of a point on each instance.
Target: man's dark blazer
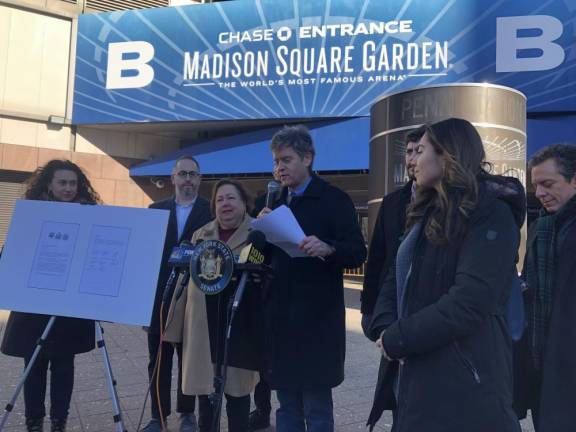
(199, 216)
(388, 230)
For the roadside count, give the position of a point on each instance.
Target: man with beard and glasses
(188, 212)
(388, 231)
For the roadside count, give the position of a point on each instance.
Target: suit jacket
(554, 392)
(199, 216)
(388, 231)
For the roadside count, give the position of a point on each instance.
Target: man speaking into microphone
(304, 309)
(188, 212)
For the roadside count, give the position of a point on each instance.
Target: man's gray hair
(186, 157)
(296, 137)
(564, 155)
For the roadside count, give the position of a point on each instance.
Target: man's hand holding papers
(283, 230)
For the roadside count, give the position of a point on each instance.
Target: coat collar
(210, 232)
(314, 190)
(407, 188)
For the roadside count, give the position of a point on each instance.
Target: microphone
(250, 254)
(189, 249)
(179, 259)
(273, 188)
(181, 255)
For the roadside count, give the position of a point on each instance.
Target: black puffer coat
(457, 360)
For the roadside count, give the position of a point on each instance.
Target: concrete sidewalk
(91, 409)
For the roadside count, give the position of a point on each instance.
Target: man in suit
(544, 373)
(386, 238)
(188, 212)
(388, 230)
(304, 309)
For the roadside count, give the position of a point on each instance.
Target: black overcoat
(199, 216)
(556, 399)
(388, 231)
(68, 335)
(305, 314)
(457, 354)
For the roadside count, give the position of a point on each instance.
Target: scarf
(540, 279)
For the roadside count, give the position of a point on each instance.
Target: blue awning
(550, 130)
(341, 145)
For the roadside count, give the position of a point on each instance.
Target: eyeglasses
(192, 174)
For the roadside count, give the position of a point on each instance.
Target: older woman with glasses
(199, 321)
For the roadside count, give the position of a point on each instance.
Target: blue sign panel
(263, 59)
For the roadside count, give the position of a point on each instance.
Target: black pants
(61, 385)
(184, 403)
(238, 411)
(262, 396)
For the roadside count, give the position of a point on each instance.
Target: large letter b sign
(141, 74)
(543, 30)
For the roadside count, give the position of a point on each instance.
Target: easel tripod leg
(119, 424)
(10, 406)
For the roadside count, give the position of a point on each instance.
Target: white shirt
(182, 214)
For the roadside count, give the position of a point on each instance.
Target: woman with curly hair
(64, 181)
(439, 319)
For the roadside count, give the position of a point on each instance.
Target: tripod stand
(107, 367)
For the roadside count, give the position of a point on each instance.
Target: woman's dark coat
(555, 400)
(68, 335)
(457, 370)
(246, 348)
(305, 314)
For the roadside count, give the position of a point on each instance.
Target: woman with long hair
(64, 181)
(439, 319)
(199, 321)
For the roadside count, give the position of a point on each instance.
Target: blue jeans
(305, 410)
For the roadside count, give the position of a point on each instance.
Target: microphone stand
(222, 369)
